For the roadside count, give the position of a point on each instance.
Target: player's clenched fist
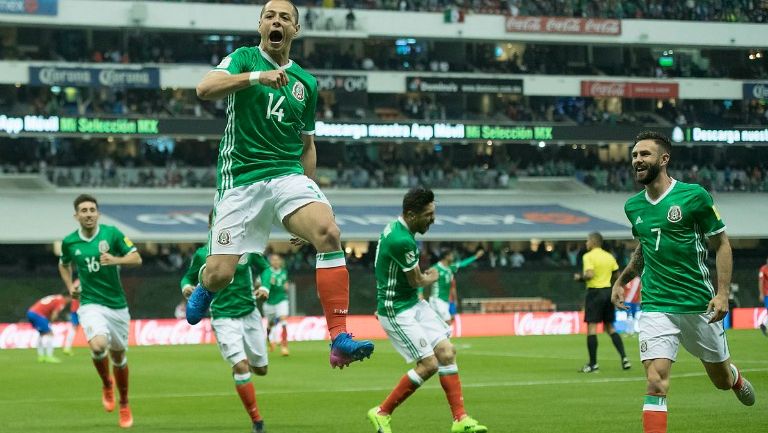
(274, 79)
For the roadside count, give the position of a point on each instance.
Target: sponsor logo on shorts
(674, 214)
(298, 91)
(103, 246)
(224, 238)
(644, 346)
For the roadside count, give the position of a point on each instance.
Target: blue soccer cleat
(197, 304)
(258, 427)
(345, 350)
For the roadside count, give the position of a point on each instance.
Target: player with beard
(671, 221)
(413, 327)
(267, 159)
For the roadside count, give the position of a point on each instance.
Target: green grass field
(514, 384)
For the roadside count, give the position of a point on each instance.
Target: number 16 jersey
(262, 139)
(672, 231)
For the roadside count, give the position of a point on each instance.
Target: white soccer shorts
(112, 323)
(242, 338)
(244, 215)
(416, 331)
(441, 307)
(273, 312)
(662, 333)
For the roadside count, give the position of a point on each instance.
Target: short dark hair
(82, 198)
(445, 252)
(658, 138)
(417, 199)
(295, 10)
(596, 238)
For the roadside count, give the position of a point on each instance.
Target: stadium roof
(168, 215)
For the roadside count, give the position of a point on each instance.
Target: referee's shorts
(598, 307)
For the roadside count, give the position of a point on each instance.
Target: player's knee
(657, 385)
(446, 354)
(217, 277)
(427, 367)
(259, 371)
(327, 237)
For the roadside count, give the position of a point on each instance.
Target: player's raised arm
(724, 265)
(219, 84)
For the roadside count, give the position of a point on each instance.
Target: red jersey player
(763, 287)
(40, 315)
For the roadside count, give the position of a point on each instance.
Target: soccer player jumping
(412, 326)
(267, 158)
(671, 220)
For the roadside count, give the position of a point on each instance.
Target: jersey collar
(661, 197)
(402, 221)
(82, 236)
(273, 62)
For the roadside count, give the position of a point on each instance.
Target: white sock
(48, 344)
(70, 337)
(735, 372)
(40, 346)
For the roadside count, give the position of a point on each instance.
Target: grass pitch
(511, 384)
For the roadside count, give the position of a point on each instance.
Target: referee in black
(599, 271)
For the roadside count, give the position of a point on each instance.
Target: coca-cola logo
(546, 323)
(602, 88)
(602, 27)
(563, 25)
(524, 24)
(24, 336)
(171, 332)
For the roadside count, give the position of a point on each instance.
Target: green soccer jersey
(442, 287)
(235, 300)
(274, 280)
(396, 254)
(672, 232)
(262, 139)
(100, 284)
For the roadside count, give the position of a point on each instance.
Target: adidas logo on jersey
(638, 220)
(77, 252)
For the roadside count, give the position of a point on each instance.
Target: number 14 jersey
(672, 232)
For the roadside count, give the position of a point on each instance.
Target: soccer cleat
(764, 329)
(345, 350)
(745, 394)
(468, 424)
(590, 368)
(126, 417)
(68, 352)
(108, 398)
(41, 358)
(52, 360)
(258, 427)
(625, 364)
(284, 351)
(381, 422)
(197, 304)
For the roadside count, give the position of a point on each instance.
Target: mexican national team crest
(224, 238)
(103, 246)
(298, 91)
(674, 214)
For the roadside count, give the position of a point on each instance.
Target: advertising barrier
(164, 332)
(145, 78)
(621, 89)
(567, 25)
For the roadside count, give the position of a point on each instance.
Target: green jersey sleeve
(463, 263)
(706, 214)
(122, 245)
(66, 257)
(405, 254)
(308, 118)
(258, 262)
(191, 276)
(235, 63)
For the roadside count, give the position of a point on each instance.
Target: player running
(274, 279)
(671, 220)
(97, 251)
(40, 315)
(444, 289)
(237, 325)
(267, 159)
(415, 330)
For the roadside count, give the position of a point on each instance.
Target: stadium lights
(542, 144)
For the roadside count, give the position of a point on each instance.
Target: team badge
(423, 342)
(674, 214)
(224, 238)
(644, 347)
(103, 246)
(298, 91)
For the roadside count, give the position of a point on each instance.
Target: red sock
(333, 290)
(738, 381)
(655, 414)
(121, 379)
(102, 367)
(408, 385)
(248, 397)
(452, 387)
(284, 337)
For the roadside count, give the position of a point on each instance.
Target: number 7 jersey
(672, 232)
(263, 136)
